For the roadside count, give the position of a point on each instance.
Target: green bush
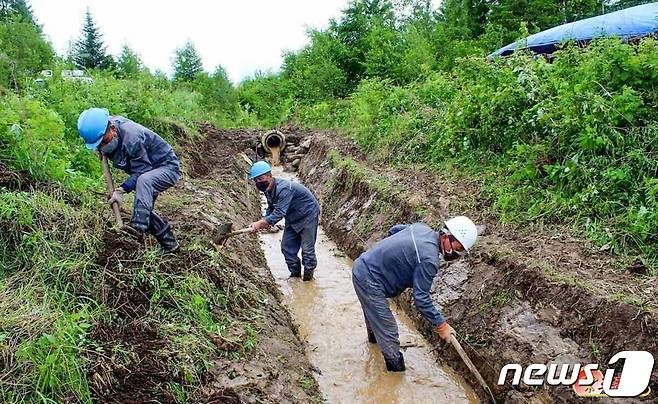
(32, 139)
(568, 141)
(145, 100)
(267, 97)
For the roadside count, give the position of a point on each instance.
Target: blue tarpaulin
(629, 23)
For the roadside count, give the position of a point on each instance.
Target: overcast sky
(243, 35)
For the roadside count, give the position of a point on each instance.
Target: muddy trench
(507, 308)
(325, 312)
(348, 368)
(312, 344)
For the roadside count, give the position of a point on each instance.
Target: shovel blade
(132, 232)
(220, 239)
(224, 228)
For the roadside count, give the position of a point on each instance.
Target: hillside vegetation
(79, 308)
(570, 141)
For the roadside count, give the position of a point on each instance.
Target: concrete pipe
(273, 142)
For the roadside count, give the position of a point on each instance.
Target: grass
(55, 297)
(307, 383)
(377, 183)
(595, 347)
(500, 298)
(44, 324)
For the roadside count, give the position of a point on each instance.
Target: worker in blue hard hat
(294, 202)
(151, 162)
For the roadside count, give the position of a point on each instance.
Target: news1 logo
(628, 375)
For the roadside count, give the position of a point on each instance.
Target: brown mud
(524, 295)
(259, 357)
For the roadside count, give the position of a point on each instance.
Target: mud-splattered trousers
(147, 188)
(301, 236)
(408, 258)
(153, 167)
(376, 310)
(294, 202)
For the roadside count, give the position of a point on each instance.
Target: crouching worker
(151, 162)
(408, 258)
(295, 203)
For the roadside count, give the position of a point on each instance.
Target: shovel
(455, 344)
(115, 206)
(225, 232)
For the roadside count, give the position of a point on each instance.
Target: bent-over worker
(407, 258)
(151, 162)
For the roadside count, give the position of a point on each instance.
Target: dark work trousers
(303, 238)
(378, 316)
(149, 185)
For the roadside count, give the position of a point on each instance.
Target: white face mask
(110, 147)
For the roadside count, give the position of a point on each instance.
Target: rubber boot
(167, 241)
(296, 272)
(371, 337)
(395, 365)
(308, 274)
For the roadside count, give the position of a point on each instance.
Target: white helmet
(463, 229)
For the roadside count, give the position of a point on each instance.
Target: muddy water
(276, 155)
(330, 319)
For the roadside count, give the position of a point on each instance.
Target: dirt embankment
(14, 180)
(163, 338)
(522, 297)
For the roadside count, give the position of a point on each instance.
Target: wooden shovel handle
(220, 239)
(455, 344)
(245, 230)
(110, 190)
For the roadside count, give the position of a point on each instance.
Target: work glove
(117, 196)
(445, 331)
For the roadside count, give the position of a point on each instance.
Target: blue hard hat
(92, 124)
(259, 168)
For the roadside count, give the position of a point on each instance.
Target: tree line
(404, 41)
(24, 52)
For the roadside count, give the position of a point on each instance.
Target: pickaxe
(115, 205)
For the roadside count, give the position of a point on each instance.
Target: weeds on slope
(84, 314)
(571, 141)
(43, 322)
(80, 308)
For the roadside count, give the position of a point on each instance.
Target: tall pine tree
(187, 62)
(89, 51)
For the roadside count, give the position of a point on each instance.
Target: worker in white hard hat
(408, 258)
